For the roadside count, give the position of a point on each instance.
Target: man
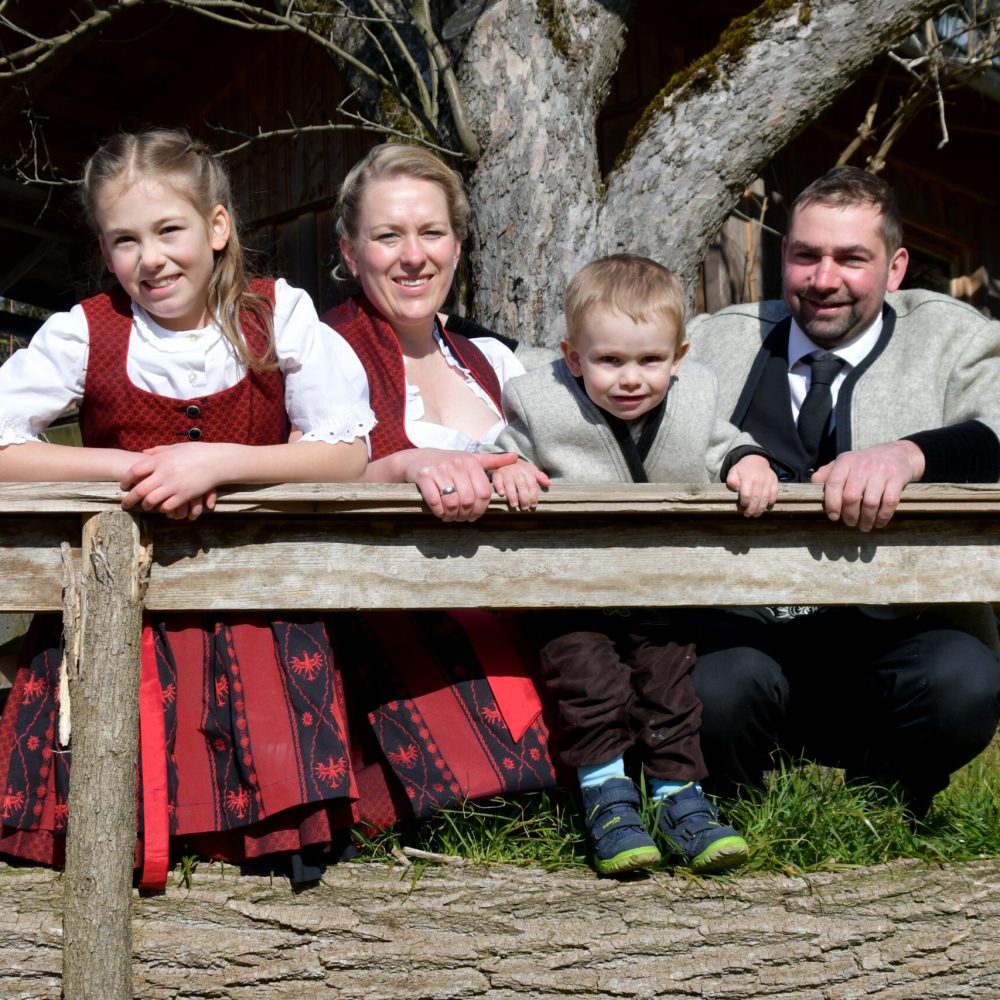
(864, 395)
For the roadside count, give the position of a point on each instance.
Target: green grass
(807, 820)
(540, 828)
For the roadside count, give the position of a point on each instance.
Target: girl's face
(161, 249)
(405, 251)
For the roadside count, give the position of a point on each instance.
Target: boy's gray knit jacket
(553, 423)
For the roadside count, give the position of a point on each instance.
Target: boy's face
(626, 366)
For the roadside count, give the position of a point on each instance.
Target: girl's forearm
(301, 462)
(41, 462)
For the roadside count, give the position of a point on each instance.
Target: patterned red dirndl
(443, 706)
(244, 748)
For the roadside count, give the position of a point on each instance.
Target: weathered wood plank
(377, 498)
(355, 545)
(31, 563)
(416, 562)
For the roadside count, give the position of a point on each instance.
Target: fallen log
(903, 931)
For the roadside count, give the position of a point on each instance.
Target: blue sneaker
(621, 841)
(692, 828)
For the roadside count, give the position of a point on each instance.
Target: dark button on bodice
(194, 434)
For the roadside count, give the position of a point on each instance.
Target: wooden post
(103, 687)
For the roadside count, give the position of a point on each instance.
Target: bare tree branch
(23, 62)
(442, 61)
(936, 63)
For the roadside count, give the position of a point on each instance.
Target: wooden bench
(69, 548)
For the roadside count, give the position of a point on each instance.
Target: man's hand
(863, 487)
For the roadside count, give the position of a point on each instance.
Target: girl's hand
(195, 508)
(754, 479)
(519, 484)
(178, 480)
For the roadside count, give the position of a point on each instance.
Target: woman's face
(405, 252)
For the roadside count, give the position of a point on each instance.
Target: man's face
(836, 271)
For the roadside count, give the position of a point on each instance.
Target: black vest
(765, 407)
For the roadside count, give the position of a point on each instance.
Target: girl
(188, 376)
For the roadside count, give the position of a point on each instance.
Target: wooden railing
(69, 548)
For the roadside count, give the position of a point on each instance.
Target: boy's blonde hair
(192, 170)
(635, 286)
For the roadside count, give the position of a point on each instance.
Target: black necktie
(816, 407)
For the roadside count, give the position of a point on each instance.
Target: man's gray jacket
(933, 377)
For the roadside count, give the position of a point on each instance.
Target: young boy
(614, 409)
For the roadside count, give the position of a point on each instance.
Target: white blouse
(425, 434)
(326, 391)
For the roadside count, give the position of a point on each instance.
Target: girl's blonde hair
(388, 162)
(191, 169)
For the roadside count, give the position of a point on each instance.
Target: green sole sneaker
(627, 861)
(720, 856)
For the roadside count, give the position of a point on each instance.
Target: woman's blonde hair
(191, 169)
(388, 162)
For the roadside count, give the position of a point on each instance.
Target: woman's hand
(519, 484)
(454, 484)
(754, 479)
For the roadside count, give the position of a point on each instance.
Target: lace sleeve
(326, 389)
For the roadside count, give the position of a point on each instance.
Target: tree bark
(103, 688)
(897, 932)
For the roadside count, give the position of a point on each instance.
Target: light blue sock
(660, 789)
(594, 774)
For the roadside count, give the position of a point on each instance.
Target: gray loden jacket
(939, 367)
(553, 423)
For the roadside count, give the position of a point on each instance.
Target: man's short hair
(844, 187)
(635, 286)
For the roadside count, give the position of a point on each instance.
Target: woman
(443, 707)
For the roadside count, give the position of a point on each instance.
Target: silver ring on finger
(448, 490)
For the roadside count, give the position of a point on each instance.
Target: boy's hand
(754, 479)
(519, 484)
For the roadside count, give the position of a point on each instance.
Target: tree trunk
(898, 932)
(103, 688)
(535, 75)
